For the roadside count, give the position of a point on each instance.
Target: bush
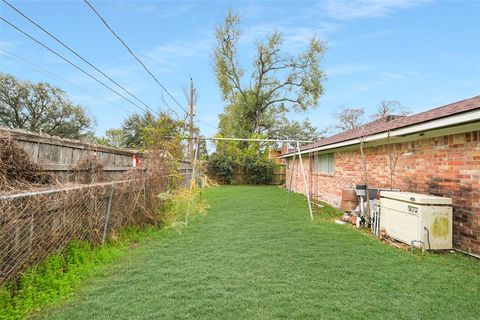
(222, 167)
(258, 170)
(251, 169)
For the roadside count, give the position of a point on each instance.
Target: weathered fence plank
(58, 156)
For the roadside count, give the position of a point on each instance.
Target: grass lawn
(255, 257)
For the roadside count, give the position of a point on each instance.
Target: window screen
(324, 163)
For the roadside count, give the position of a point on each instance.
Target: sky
(422, 53)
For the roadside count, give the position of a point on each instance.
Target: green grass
(57, 277)
(254, 257)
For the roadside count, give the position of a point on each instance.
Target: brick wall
(446, 166)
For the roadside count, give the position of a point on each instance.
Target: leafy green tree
(279, 83)
(164, 134)
(132, 129)
(296, 130)
(222, 166)
(234, 122)
(40, 107)
(132, 132)
(112, 138)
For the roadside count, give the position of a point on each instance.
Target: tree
(388, 108)
(278, 84)
(349, 118)
(112, 138)
(163, 135)
(296, 130)
(40, 107)
(132, 129)
(133, 133)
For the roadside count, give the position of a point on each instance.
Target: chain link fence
(36, 224)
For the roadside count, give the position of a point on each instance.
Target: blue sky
(422, 53)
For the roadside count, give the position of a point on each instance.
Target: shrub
(250, 168)
(259, 170)
(222, 167)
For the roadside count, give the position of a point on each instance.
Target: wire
(134, 56)
(71, 63)
(207, 124)
(31, 65)
(77, 54)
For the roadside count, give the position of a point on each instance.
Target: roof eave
(469, 116)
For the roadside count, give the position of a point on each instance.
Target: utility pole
(191, 114)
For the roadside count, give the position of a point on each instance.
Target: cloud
(386, 78)
(325, 20)
(382, 79)
(346, 69)
(354, 9)
(364, 38)
(176, 11)
(397, 76)
(9, 45)
(168, 55)
(294, 37)
(162, 10)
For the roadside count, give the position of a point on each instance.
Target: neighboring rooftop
(396, 122)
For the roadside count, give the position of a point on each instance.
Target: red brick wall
(446, 166)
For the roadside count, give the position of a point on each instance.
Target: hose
(428, 238)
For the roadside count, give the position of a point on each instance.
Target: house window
(324, 163)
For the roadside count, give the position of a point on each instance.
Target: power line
(71, 63)
(37, 68)
(76, 54)
(207, 124)
(134, 55)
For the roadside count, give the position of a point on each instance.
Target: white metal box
(417, 217)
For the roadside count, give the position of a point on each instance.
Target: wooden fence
(59, 156)
(279, 174)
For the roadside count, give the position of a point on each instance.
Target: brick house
(434, 152)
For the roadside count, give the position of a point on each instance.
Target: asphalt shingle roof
(390, 123)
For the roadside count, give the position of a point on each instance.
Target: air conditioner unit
(417, 219)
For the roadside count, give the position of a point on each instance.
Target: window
(323, 163)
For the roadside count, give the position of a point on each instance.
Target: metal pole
(190, 114)
(256, 140)
(291, 176)
(107, 216)
(305, 182)
(315, 170)
(192, 181)
(245, 139)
